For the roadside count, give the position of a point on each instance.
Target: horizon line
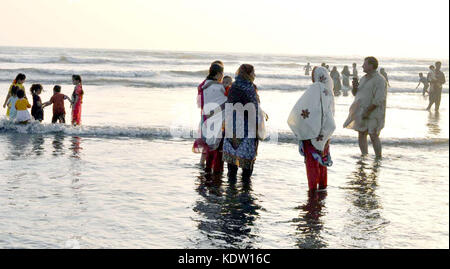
(223, 52)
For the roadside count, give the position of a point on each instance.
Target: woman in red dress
(77, 100)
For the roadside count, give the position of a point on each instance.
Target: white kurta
(372, 90)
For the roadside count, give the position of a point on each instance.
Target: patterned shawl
(312, 117)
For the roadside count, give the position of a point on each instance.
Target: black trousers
(233, 169)
(60, 117)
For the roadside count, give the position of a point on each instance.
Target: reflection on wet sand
(365, 222)
(75, 163)
(227, 212)
(38, 142)
(309, 224)
(76, 147)
(18, 145)
(433, 123)
(58, 145)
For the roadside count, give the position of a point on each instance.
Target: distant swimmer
(384, 74)
(437, 80)
(425, 83)
(307, 69)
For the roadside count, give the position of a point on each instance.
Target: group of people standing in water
(311, 119)
(213, 93)
(17, 103)
(432, 84)
(342, 86)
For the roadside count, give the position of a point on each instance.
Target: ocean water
(128, 178)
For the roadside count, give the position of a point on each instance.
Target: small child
(425, 82)
(59, 111)
(227, 81)
(36, 111)
(11, 103)
(22, 105)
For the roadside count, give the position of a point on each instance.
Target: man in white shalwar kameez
(368, 111)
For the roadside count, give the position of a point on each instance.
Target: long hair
(20, 76)
(14, 90)
(214, 70)
(244, 72)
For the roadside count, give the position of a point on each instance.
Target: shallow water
(150, 194)
(128, 178)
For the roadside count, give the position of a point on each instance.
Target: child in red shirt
(227, 81)
(59, 112)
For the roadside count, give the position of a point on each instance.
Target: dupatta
(312, 117)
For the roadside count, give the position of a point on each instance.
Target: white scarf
(214, 98)
(312, 117)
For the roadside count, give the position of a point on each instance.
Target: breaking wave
(163, 132)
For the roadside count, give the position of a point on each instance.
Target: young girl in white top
(12, 102)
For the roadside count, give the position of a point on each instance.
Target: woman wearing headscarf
(336, 80)
(346, 79)
(312, 121)
(212, 100)
(199, 146)
(240, 151)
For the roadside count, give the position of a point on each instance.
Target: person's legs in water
(425, 88)
(247, 173)
(232, 171)
(62, 118)
(209, 161)
(431, 98)
(323, 178)
(203, 158)
(217, 163)
(375, 138)
(363, 146)
(312, 172)
(438, 100)
(312, 167)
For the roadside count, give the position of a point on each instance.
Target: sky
(390, 28)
